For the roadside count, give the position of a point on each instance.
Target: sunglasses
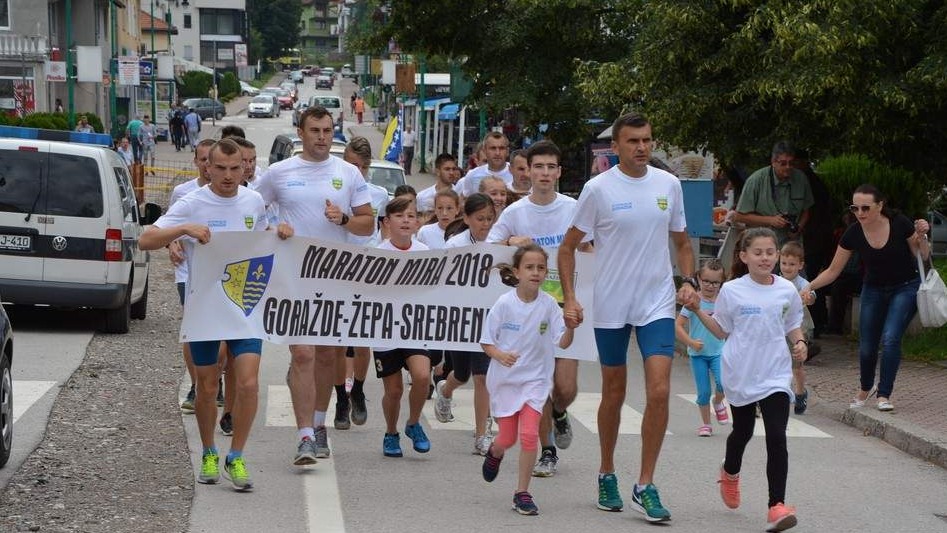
(857, 208)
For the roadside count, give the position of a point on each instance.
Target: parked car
(347, 71)
(69, 228)
(264, 105)
(323, 82)
(332, 103)
(284, 146)
(387, 174)
(248, 90)
(206, 107)
(938, 234)
(6, 387)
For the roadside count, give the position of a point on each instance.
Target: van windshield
(73, 186)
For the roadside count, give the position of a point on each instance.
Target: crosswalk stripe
(279, 407)
(585, 410)
(462, 408)
(795, 428)
(26, 393)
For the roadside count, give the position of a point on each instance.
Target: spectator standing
(84, 126)
(146, 136)
(408, 138)
(192, 122)
(131, 131)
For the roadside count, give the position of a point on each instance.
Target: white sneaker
(482, 445)
(442, 405)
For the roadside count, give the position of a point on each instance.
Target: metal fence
(155, 183)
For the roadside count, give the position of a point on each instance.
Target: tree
(278, 24)
(835, 76)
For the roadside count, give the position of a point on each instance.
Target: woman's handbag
(931, 297)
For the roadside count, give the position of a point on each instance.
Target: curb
(905, 436)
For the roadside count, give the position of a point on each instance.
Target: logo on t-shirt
(663, 203)
(543, 326)
(510, 326)
(216, 223)
(621, 206)
(337, 183)
(747, 310)
(246, 281)
(248, 221)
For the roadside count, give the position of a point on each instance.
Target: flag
(391, 146)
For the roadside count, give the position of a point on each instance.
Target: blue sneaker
(648, 503)
(416, 433)
(491, 467)
(523, 504)
(608, 497)
(391, 446)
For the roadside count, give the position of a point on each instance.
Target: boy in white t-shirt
(223, 205)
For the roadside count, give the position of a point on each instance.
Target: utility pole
(113, 70)
(70, 82)
(422, 166)
(154, 67)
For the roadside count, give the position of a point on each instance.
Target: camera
(792, 224)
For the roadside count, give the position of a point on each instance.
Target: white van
(69, 227)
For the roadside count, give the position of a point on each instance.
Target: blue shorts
(654, 338)
(204, 353)
(181, 285)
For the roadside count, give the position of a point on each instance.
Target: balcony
(18, 46)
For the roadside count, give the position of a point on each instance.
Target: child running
(479, 215)
(791, 263)
(401, 221)
(755, 312)
(522, 330)
(446, 207)
(704, 348)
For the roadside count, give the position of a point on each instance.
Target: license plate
(15, 242)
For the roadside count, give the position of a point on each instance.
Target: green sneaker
(608, 497)
(210, 471)
(236, 471)
(648, 503)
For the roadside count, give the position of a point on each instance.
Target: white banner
(128, 71)
(305, 291)
(240, 54)
(89, 64)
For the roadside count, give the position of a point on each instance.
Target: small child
(522, 330)
(703, 348)
(791, 263)
(754, 313)
(495, 188)
(401, 221)
(446, 208)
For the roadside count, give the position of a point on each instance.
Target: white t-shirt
(463, 238)
(545, 224)
(180, 191)
(302, 187)
(756, 361)
(407, 139)
(630, 219)
(433, 236)
(530, 330)
(243, 212)
(425, 199)
(379, 197)
(272, 208)
(416, 246)
(474, 177)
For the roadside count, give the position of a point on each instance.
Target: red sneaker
(729, 489)
(780, 517)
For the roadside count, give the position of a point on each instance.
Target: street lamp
(154, 66)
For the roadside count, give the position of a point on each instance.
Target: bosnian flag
(391, 146)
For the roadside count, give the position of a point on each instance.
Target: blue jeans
(886, 312)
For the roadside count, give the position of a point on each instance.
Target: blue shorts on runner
(204, 353)
(654, 338)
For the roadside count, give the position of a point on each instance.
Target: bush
(229, 84)
(195, 84)
(50, 121)
(906, 192)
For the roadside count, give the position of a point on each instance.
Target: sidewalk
(917, 426)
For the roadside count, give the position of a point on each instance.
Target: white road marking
(796, 427)
(585, 410)
(462, 408)
(26, 393)
(279, 407)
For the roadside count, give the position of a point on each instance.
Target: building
(319, 28)
(209, 31)
(24, 47)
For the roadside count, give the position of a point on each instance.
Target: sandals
(856, 403)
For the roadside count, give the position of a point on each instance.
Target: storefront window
(16, 89)
(5, 14)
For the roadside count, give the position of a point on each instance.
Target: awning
(449, 112)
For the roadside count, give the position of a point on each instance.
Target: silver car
(264, 105)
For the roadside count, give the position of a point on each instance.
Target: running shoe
(320, 442)
(220, 393)
(226, 424)
(780, 517)
(729, 488)
(563, 430)
(305, 453)
(720, 410)
(608, 497)
(236, 471)
(210, 469)
(348, 384)
(547, 464)
(342, 415)
(648, 503)
(420, 441)
(482, 444)
(391, 445)
(187, 406)
(442, 405)
(359, 410)
(524, 505)
(491, 467)
(705, 431)
(802, 401)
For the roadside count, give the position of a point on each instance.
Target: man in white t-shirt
(497, 148)
(323, 197)
(519, 168)
(223, 205)
(445, 169)
(543, 218)
(631, 209)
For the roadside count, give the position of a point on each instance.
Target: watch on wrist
(692, 281)
(345, 220)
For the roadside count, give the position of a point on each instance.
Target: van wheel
(118, 320)
(219, 115)
(6, 410)
(139, 309)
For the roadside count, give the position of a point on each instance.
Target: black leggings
(466, 363)
(775, 412)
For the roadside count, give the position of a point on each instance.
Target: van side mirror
(151, 214)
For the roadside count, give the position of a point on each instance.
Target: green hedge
(906, 192)
(195, 84)
(50, 121)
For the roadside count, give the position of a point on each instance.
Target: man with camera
(777, 196)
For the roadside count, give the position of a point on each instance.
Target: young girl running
(703, 348)
(520, 336)
(479, 215)
(446, 207)
(755, 312)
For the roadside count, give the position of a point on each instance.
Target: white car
(264, 105)
(248, 90)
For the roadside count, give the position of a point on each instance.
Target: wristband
(345, 220)
(804, 341)
(691, 281)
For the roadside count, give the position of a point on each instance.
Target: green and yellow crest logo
(543, 326)
(337, 183)
(663, 203)
(248, 221)
(245, 281)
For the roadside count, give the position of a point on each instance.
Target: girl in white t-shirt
(755, 312)
(446, 207)
(522, 331)
(496, 189)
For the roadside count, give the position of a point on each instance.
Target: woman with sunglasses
(887, 242)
